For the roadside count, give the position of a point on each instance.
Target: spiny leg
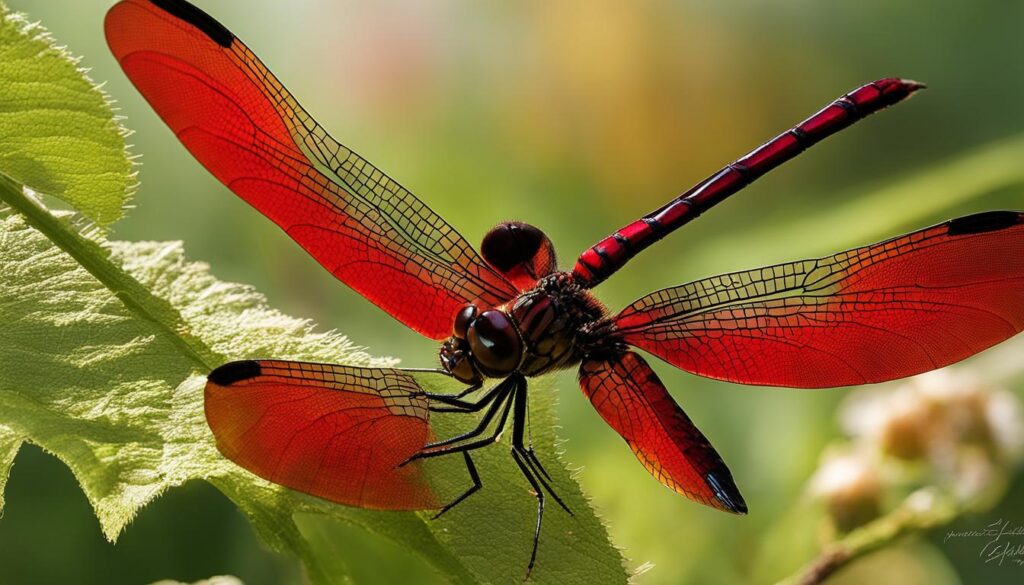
(500, 395)
(537, 483)
(469, 446)
(508, 396)
(539, 494)
(537, 468)
(519, 422)
(463, 394)
(529, 446)
(477, 484)
(459, 405)
(532, 455)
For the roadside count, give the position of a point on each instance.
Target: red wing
(894, 309)
(238, 120)
(632, 400)
(335, 432)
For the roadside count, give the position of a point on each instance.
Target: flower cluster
(949, 430)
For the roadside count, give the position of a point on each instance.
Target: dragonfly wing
(632, 400)
(237, 119)
(336, 432)
(901, 307)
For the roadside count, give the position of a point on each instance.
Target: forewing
(894, 309)
(237, 119)
(336, 432)
(632, 400)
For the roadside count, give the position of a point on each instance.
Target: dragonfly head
(483, 343)
(457, 361)
(456, 357)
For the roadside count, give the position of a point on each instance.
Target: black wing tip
(726, 492)
(232, 372)
(986, 221)
(209, 26)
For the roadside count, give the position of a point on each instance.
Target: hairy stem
(96, 260)
(921, 512)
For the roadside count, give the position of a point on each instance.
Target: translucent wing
(894, 309)
(336, 432)
(237, 119)
(632, 400)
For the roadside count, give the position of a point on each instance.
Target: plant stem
(910, 518)
(97, 261)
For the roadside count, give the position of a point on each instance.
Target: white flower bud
(849, 484)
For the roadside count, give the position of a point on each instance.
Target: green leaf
(103, 383)
(103, 359)
(10, 442)
(58, 133)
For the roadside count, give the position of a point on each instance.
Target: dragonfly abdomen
(607, 256)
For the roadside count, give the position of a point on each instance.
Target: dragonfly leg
(499, 395)
(530, 467)
(477, 484)
(542, 476)
(529, 458)
(532, 455)
(468, 391)
(455, 402)
(539, 494)
(446, 447)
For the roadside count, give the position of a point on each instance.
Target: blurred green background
(577, 117)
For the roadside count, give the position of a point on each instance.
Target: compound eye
(463, 318)
(495, 343)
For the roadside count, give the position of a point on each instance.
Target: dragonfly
(359, 436)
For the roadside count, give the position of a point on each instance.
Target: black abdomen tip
(232, 372)
(197, 18)
(988, 221)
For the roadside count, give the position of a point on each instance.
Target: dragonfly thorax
(538, 331)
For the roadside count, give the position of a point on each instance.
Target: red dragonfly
(354, 435)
